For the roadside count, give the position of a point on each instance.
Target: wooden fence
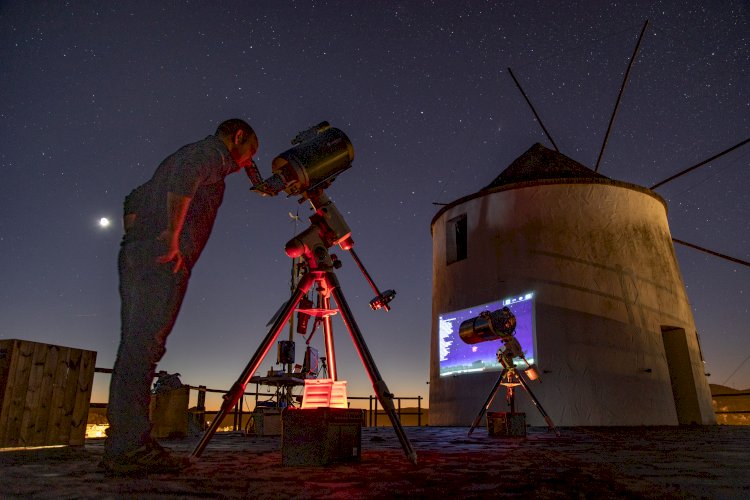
(238, 418)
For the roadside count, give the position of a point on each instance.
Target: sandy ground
(709, 462)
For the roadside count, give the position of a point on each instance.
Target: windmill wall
(616, 342)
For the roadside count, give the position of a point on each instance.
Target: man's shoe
(149, 458)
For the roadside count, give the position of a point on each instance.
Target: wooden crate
(44, 393)
(321, 436)
(267, 421)
(503, 424)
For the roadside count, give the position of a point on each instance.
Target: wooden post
(201, 398)
(169, 413)
(419, 411)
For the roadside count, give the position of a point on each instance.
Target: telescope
(317, 156)
(501, 325)
(496, 325)
(320, 153)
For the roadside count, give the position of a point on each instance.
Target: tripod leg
(381, 390)
(487, 403)
(237, 390)
(538, 405)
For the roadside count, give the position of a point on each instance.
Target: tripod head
(328, 228)
(511, 350)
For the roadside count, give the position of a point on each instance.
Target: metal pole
(328, 340)
(367, 277)
(619, 96)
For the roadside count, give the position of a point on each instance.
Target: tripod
(323, 367)
(510, 378)
(327, 229)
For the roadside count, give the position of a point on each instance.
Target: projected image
(458, 357)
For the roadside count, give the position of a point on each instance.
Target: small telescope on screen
(458, 357)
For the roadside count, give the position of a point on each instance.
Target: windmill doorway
(681, 375)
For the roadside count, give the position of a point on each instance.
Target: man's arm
(177, 207)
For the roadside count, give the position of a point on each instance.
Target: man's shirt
(196, 170)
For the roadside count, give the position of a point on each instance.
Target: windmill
(614, 332)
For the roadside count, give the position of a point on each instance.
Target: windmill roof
(542, 166)
(539, 163)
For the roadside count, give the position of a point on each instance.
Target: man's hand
(177, 207)
(173, 251)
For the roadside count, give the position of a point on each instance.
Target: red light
(324, 393)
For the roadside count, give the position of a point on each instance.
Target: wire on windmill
(538, 119)
(690, 169)
(736, 370)
(711, 252)
(619, 96)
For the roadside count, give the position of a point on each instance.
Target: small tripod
(323, 368)
(328, 228)
(510, 378)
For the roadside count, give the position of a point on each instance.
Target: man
(167, 223)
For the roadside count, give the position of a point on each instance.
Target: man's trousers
(151, 296)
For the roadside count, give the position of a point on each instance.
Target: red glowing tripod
(328, 228)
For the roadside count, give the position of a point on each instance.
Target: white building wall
(600, 259)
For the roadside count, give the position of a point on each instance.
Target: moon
(104, 223)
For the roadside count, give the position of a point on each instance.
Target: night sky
(94, 95)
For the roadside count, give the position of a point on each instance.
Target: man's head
(240, 140)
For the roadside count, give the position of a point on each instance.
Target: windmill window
(456, 239)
